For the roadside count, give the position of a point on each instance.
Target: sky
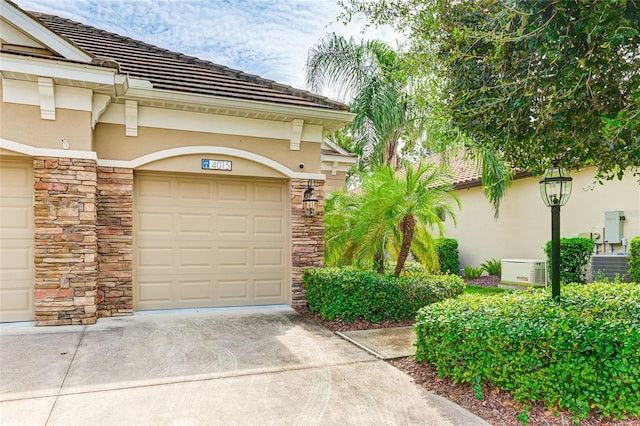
(268, 38)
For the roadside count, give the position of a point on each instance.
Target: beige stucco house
(135, 178)
(524, 224)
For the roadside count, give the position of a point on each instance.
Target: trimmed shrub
(579, 354)
(472, 273)
(634, 259)
(448, 255)
(349, 294)
(493, 267)
(574, 257)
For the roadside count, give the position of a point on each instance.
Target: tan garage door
(208, 241)
(16, 241)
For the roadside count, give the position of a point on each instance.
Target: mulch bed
(496, 406)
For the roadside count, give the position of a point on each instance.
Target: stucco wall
(524, 225)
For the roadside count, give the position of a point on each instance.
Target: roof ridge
(202, 63)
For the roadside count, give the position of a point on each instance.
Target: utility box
(520, 274)
(613, 226)
(611, 266)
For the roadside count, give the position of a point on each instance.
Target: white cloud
(269, 38)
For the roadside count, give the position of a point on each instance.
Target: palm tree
(395, 213)
(372, 77)
(368, 75)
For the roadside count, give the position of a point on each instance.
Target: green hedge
(448, 255)
(574, 257)
(349, 294)
(580, 354)
(634, 259)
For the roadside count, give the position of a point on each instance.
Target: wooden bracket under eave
(131, 118)
(46, 92)
(99, 104)
(296, 133)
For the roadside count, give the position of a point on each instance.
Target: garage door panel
(197, 223)
(232, 257)
(155, 257)
(216, 242)
(268, 194)
(236, 225)
(156, 189)
(195, 291)
(196, 257)
(268, 288)
(233, 192)
(233, 291)
(17, 270)
(269, 226)
(268, 258)
(154, 222)
(194, 190)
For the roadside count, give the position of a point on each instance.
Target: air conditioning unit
(611, 266)
(520, 274)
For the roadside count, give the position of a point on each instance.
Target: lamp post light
(555, 189)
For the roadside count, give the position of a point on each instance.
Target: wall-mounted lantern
(309, 202)
(555, 189)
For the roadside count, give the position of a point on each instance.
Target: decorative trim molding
(46, 88)
(297, 125)
(99, 104)
(189, 150)
(45, 152)
(131, 117)
(42, 34)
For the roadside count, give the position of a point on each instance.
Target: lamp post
(555, 189)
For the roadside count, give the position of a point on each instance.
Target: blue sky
(269, 38)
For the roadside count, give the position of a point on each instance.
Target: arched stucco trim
(219, 150)
(33, 151)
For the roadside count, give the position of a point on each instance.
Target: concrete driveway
(263, 366)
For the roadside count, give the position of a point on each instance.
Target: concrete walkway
(265, 366)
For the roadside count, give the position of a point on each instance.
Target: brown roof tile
(177, 72)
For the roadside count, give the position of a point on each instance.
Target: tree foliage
(532, 79)
(394, 214)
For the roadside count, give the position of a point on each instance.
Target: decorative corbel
(46, 88)
(131, 118)
(99, 104)
(334, 168)
(296, 133)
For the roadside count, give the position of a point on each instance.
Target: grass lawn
(487, 291)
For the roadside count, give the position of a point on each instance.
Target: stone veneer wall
(115, 241)
(65, 241)
(307, 237)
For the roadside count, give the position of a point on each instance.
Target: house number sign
(216, 165)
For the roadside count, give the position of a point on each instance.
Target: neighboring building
(524, 224)
(135, 178)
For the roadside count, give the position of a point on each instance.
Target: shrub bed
(448, 255)
(579, 355)
(574, 257)
(349, 294)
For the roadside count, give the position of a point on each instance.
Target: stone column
(115, 241)
(65, 241)
(307, 237)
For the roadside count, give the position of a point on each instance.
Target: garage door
(208, 241)
(16, 241)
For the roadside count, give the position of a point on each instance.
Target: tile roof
(177, 72)
(465, 172)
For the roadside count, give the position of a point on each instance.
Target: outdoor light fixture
(309, 202)
(555, 189)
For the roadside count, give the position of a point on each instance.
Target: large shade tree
(532, 80)
(395, 212)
